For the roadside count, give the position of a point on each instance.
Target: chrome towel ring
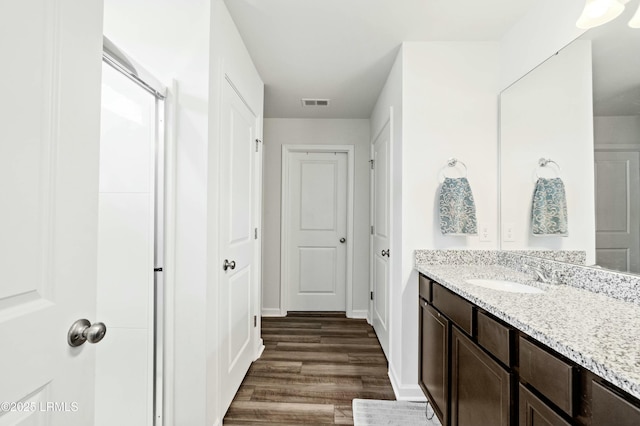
(453, 162)
(544, 162)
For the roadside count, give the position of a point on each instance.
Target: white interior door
(237, 239)
(317, 249)
(124, 368)
(49, 133)
(380, 241)
(618, 210)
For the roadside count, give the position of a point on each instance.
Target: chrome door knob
(96, 332)
(83, 331)
(229, 265)
(342, 240)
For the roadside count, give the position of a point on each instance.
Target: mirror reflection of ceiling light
(598, 12)
(635, 21)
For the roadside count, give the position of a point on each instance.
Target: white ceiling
(343, 49)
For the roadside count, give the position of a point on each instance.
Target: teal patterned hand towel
(457, 208)
(549, 211)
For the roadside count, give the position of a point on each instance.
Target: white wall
(280, 131)
(450, 110)
(549, 114)
(544, 30)
(617, 129)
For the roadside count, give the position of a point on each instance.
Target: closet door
(381, 234)
(317, 227)
(237, 239)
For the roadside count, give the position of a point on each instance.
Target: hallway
(313, 365)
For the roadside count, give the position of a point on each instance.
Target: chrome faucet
(542, 276)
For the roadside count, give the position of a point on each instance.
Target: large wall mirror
(580, 109)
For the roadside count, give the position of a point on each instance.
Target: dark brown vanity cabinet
(465, 386)
(476, 370)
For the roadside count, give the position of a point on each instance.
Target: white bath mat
(374, 412)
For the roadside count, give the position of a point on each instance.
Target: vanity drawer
(495, 338)
(547, 373)
(453, 306)
(424, 286)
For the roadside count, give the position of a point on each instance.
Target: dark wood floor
(313, 366)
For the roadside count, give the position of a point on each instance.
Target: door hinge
(373, 162)
(255, 236)
(371, 229)
(371, 296)
(157, 269)
(258, 142)
(255, 320)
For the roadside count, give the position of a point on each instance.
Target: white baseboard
(405, 392)
(272, 312)
(260, 351)
(360, 314)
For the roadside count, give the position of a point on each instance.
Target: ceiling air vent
(315, 102)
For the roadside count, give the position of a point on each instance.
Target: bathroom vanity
(557, 355)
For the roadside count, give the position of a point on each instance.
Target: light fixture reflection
(635, 21)
(598, 12)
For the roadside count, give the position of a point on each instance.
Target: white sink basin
(501, 285)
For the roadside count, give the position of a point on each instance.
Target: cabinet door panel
(434, 365)
(480, 387)
(534, 412)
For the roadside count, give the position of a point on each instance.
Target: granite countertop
(597, 332)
